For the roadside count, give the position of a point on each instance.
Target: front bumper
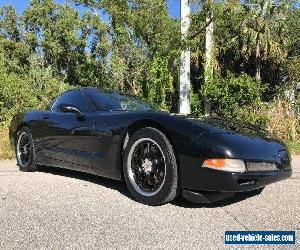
(253, 150)
(219, 185)
(198, 178)
(214, 180)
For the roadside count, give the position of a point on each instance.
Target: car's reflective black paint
(94, 142)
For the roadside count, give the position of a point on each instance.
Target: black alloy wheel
(150, 167)
(24, 149)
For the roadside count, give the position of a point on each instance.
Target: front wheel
(24, 150)
(150, 168)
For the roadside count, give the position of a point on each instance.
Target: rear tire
(150, 168)
(24, 150)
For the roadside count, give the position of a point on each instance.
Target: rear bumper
(218, 181)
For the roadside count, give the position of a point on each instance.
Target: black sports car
(159, 155)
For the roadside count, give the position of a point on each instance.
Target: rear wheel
(24, 149)
(150, 167)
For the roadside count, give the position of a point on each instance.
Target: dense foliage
(237, 96)
(134, 46)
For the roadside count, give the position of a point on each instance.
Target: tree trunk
(208, 67)
(184, 86)
(257, 60)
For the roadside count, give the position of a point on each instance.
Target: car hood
(217, 125)
(228, 138)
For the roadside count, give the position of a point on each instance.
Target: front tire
(24, 149)
(150, 168)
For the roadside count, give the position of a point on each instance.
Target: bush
(15, 96)
(31, 89)
(292, 69)
(159, 87)
(284, 123)
(196, 103)
(237, 97)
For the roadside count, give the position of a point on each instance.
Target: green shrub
(31, 89)
(237, 97)
(285, 123)
(292, 68)
(15, 96)
(196, 103)
(159, 87)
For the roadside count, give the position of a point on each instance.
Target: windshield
(106, 101)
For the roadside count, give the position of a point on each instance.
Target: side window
(104, 101)
(73, 97)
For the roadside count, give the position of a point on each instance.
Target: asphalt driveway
(60, 209)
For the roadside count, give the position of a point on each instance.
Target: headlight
(228, 165)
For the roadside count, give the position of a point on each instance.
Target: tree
(73, 45)
(263, 30)
(293, 28)
(11, 42)
(138, 31)
(185, 68)
(9, 23)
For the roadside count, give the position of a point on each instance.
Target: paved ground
(59, 209)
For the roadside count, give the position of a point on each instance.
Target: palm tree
(208, 55)
(264, 19)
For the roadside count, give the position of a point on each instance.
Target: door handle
(45, 117)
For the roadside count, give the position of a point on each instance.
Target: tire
(150, 168)
(24, 150)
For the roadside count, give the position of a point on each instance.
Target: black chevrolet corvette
(159, 155)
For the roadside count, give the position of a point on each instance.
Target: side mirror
(69, 108)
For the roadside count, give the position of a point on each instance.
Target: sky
(20, 5)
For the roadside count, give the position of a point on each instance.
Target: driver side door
(68, 138)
